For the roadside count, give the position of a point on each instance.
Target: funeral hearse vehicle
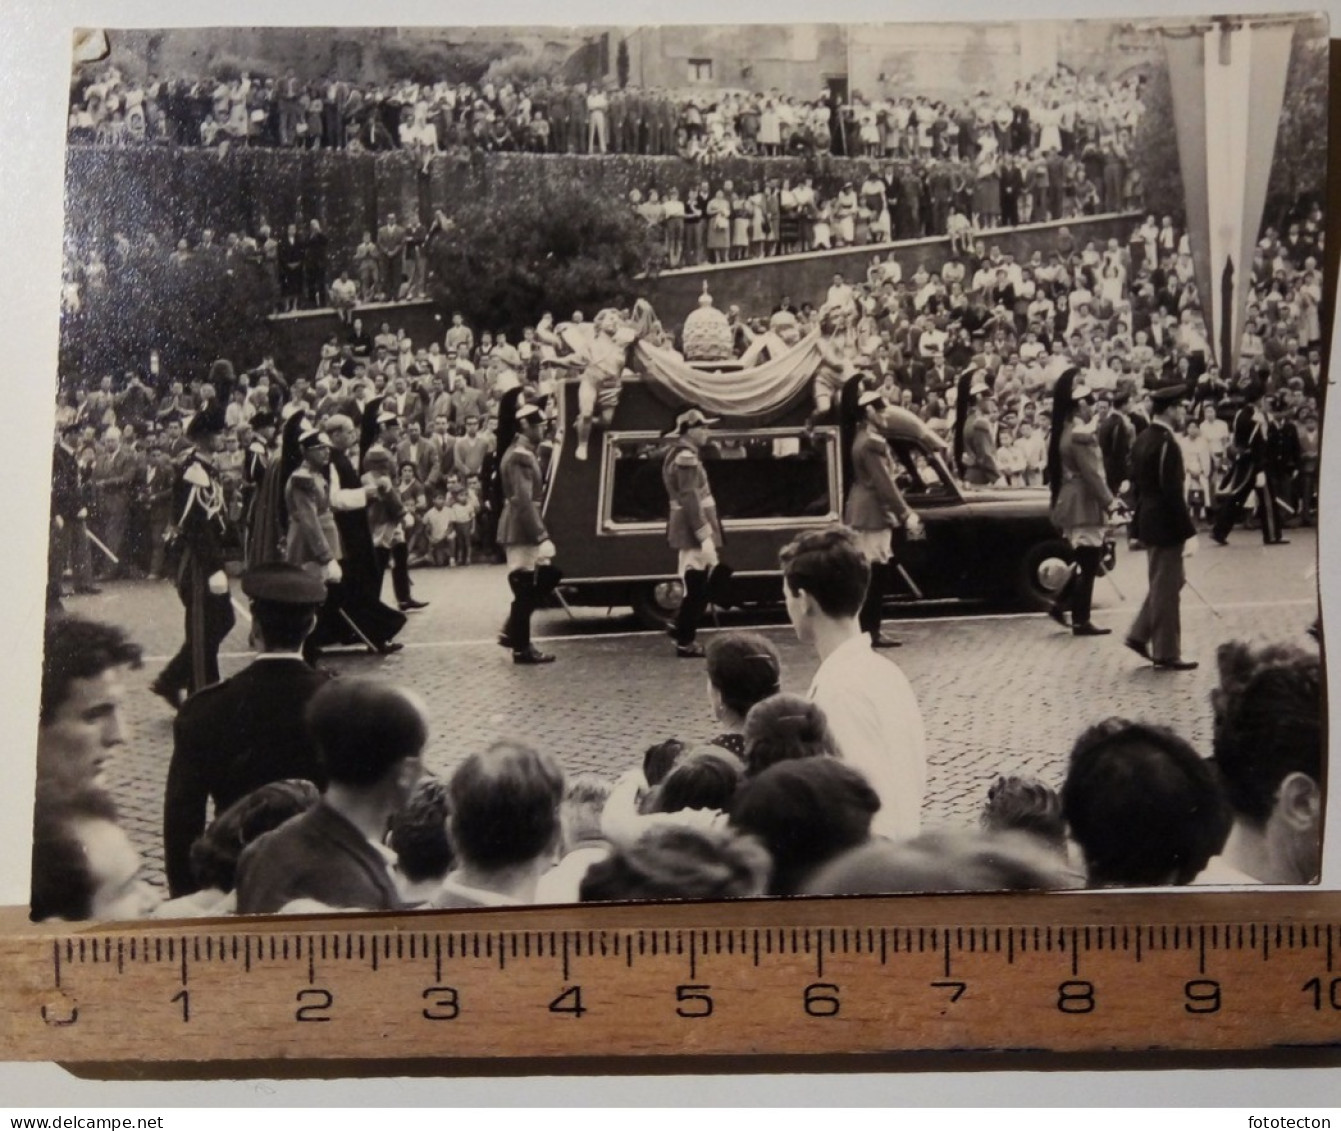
(773, 480)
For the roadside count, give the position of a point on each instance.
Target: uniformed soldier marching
(692, 528)
(875, 509)
(247, 731)
(532, 575)
(202, 529)
(258, 458)
(1248, 473)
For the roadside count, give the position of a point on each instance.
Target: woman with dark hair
(785, 727)
(743, 669)
(1080, 499)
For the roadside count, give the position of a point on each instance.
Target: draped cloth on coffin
(754, 396)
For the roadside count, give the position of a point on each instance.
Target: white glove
(1191, 546)
(331, 573)
(1261, 480)
(60, 523)
(218, 583)
(914, 528)
(546, 551)
(709, 549)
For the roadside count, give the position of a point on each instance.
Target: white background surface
(34, 71)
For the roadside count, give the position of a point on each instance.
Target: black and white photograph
(498, 466)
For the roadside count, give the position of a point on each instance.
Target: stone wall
(755, 285)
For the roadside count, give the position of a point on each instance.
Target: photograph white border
(34, 69)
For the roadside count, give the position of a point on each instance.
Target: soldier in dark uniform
(1284, 458)
(202, 531)
(875, 506)
(521, 532)
(247, 731)
(1163, 525)
(692, 527)
(254, 464)
(1248, 472)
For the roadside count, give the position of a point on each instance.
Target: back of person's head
(364, 728)
(505, 806)
(1268, 723)
(1143, 805)
(215, 853)
(943, 861)
(1025, 805)
(659, 760)
(676, 862)
(805, 812)
(743, 667)
(828, 565)
(584, 798)
(74, 648)
(702, 780)
(784, 727)
(418, 833)
(283, 626)
(62, 885)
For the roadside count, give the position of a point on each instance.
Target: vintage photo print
(524, 465)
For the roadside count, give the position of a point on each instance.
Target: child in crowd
(438, 527)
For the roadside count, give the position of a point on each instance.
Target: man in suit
(391, 256)
(113, 477)
(369, 736)
(247, 731)
(1163, 525)
(69, 516)
(422, 453)
(1248, 471)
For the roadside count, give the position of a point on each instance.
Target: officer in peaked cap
(532, 575)
(238, 735)
(692, 527)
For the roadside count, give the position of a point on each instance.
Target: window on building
(700, 70)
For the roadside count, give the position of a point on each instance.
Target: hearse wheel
(656, 603)
(1042, 572)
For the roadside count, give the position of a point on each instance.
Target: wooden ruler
(1060, 973)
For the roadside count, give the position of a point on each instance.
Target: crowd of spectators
(1056, 112)
(780, 801)
(1128, 315)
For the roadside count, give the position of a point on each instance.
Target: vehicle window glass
(752, 477)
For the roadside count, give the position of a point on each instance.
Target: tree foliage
(1299, 166)
(190, 315)
(1155, 149)
(557, 247)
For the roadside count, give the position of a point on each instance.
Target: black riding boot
(692, 608)
(872, 612)
(517, 631)
(1088, 559)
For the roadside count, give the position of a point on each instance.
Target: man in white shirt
(868, 701)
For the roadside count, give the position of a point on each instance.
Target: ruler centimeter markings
(391, 988)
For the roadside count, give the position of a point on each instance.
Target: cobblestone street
(1000, 692)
